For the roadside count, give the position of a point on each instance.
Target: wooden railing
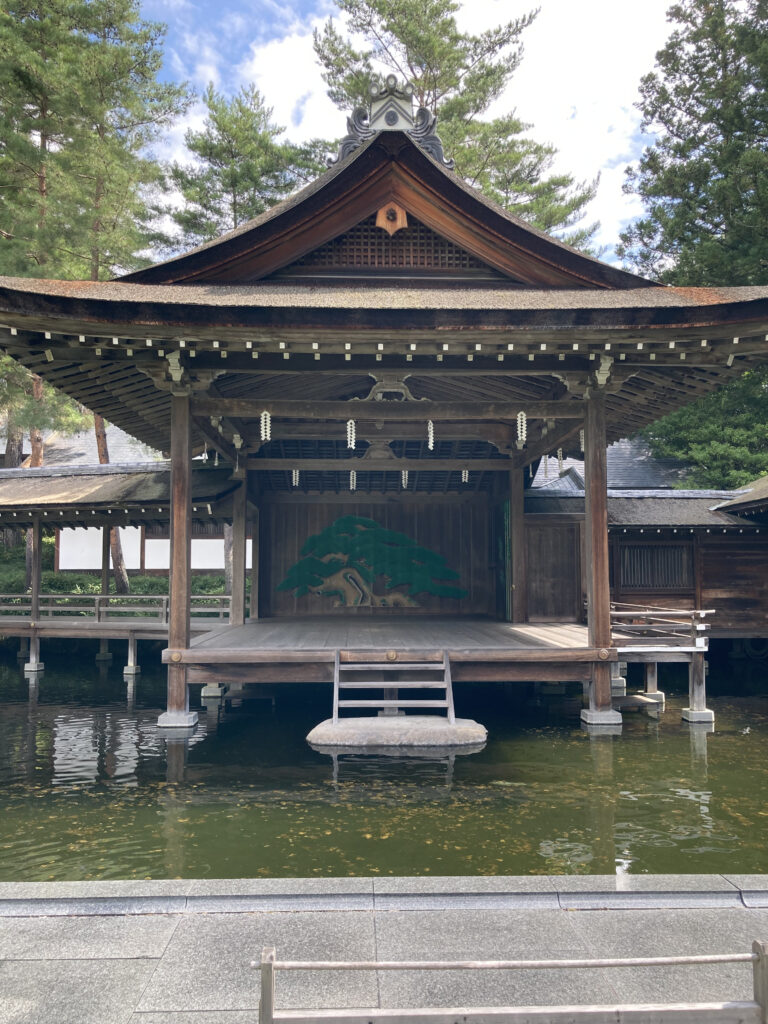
(651, 625)
(754, 1011)
(109, 607)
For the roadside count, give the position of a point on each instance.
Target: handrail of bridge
(108, 607)
(653, 624)
(754, 1011)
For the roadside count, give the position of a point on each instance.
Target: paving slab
(184, 1017)
(72, 991)
(206, 963)
(279, 886)
(498, 935)
(619, 933)
(109, 888)
(644, 883)
(463, 885)
(84, 938)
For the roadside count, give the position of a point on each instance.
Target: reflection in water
(91, 788)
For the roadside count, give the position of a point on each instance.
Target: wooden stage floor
(391, 633)
(303, 649)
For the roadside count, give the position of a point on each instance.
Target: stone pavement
(178, 952)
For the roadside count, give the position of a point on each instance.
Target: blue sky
(577, 84)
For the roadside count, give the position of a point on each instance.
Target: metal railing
(754, 1011)
(651, 625)
(111, 607)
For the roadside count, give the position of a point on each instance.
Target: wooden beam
(517, 545)
(363, 465)
(596, 509)
(399, 412)
(546, 445)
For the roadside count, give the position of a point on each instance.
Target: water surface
(91, 789)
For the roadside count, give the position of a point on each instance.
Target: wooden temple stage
(377, 365)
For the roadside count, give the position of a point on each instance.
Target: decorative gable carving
(369, 250)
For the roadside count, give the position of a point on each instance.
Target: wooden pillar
(239, 531)
(598, 575)
(697, 693)
(517, 544)
(104, 654)
(178, 713)
(253, 609)
(34, 664)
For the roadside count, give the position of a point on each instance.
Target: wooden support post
(253, 607)
(101, 606)
(178, 713)
(267, 998)
(239, 530)
(34, 664)
(600, 711)
(132, 667)
(697, 692)
(760, 978)
(652, 690)
(517, 545)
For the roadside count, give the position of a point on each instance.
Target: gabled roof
(388, 168)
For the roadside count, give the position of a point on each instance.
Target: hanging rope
(546, 467)
(404, 479)
(216, 459)
(559, 460)
(352, 480)
(581, 439)
(295, 477)
(430, 435)
(351, 434)
(465, 476)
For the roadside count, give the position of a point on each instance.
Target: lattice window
(416, 247)
(656, 566)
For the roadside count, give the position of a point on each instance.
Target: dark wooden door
(553, 572)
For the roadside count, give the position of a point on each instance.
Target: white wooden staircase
(380, 676)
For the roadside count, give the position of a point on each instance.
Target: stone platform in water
(397, 731)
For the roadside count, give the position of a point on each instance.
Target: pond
(91, 789)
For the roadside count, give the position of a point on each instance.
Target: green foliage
(350, 556)
(21, 409)
(458, 75)
(724, 436)
(703, 180)
(241, 167)
(79, 102)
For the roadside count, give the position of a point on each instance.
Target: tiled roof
(630, 465)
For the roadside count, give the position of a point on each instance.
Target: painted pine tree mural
(360, 563)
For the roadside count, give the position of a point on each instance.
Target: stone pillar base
(131, 671)
(689, 715)
(213, 690)
(606, 717)
(177, 720)
(34, 666)
(657, 696)
(618, 686)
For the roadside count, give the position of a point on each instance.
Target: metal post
(267, 1000)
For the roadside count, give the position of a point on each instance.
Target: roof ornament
(392, 111)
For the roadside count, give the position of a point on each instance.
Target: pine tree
(703, 185)
(240, 167)
(79, 104)
(703, 180)
(457, 75)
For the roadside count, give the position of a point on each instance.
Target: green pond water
(91, 789)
